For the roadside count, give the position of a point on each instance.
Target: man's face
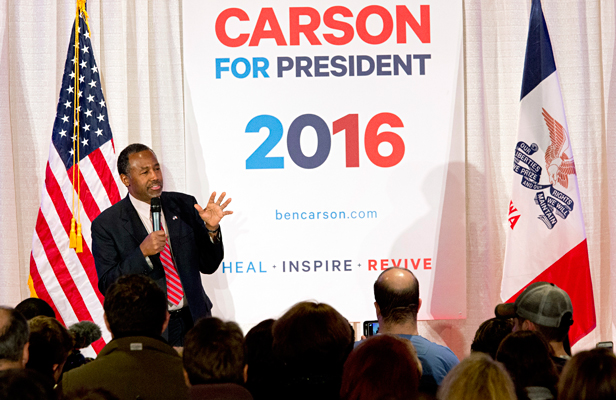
(145, 178)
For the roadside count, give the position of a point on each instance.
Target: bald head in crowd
(396, 295)
(14, 334)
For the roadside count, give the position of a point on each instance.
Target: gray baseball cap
(542, 303)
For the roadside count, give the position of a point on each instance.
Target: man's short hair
(135, 306)
(25, 384)
(50, 344)
(544, 304)
(123, 157)
(311, 338)
(14, 334)
(32, 307)
(397, 306)
(214, 352)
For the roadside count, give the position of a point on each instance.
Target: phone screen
(371, 328)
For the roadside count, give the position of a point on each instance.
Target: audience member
(50, 344)
(589, 375)
(33, 307)
(477, 377)
(91, 394)
(381, 367)
(25, 384)
(84, 333)
(137, 363)
(546, 308)
(14, 335)
(527, 357)
(490, 335)
(213, 360)
(311, 343)
(396, 292)
(259, 369)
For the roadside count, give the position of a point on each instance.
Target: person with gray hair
(14, 334)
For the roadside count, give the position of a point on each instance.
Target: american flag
(61, 276)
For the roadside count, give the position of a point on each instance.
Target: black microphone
(155, 209)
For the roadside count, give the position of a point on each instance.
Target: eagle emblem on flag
(557, 163)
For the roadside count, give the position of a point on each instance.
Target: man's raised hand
(214, 211)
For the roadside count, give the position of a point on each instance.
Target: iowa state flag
(546, 239)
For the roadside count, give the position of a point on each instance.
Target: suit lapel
(172, 214)
(131, 221)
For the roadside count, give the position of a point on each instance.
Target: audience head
(214, 352)
(91, 394)
(312, 341)
(396, 295)
(50, 345)
(589, 375)
(477, 377)
(490, 335)
(135, 306)
(258, 358)
(541, 306)
(33, 307)
(14, 334)
(381, 367)
(25, 384)
(527, 357)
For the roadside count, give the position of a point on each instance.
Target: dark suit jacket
(134, 367)
(118, 231)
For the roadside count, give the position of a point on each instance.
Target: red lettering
(404, 16)
(362, 31)
(330, 22)
(513, 220)
(406, 263)
(221, 32)
(372, 265)
(267, 16)
(384, 265)
(427, 263)
(393, 262)
(512, 208)
(296, 28)
(415, 266)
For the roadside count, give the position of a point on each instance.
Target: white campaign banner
(337, 128)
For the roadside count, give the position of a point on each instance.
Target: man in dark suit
(124, 241)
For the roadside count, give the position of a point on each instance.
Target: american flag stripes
(67, 279)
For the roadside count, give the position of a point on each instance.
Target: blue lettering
(219, 66)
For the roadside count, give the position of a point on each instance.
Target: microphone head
(155, 204)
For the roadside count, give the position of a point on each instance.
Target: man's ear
(125, 179)
(186, 380)
(245, 373)
(25, 356)
(378, 310)
(107, 324)
(419, 303)
(167, 317)
(528, 325)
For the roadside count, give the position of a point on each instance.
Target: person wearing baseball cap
(546, 308)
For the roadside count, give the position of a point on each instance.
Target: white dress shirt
(143, 209)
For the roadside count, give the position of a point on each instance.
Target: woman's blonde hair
(477, 377)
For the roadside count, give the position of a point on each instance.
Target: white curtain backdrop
(138, 47)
